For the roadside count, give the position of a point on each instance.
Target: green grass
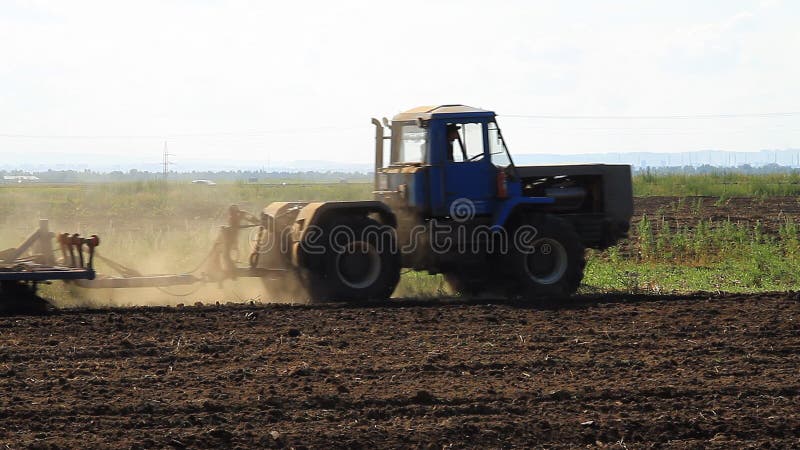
(708, 256)
(421, 285)
(666, 277)
(722, 184)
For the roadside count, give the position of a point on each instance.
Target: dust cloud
(143, 227)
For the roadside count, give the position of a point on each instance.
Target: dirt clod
(424, 397)
(293, 332)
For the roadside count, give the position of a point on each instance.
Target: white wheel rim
(370, 276)
(553, 248)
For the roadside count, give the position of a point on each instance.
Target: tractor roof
(443, 112)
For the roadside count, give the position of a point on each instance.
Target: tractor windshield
(498, 149)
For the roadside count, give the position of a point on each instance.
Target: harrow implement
(24, 267)
(34, 261)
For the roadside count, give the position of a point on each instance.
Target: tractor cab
(443, 158)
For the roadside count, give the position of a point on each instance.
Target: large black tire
(20, 298)
(362, 264)
(550, 265)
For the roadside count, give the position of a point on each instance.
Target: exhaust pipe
(378, 149)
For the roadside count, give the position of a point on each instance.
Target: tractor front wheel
(548, 262)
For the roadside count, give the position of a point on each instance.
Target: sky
(280, 81)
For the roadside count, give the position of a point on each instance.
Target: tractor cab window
(497, 147)
(464, 142)
(411, 144)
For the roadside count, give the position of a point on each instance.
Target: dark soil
(691, 371)
(771, 212)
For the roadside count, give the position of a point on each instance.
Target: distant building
(20, 179)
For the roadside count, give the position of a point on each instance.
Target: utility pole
(166, 161)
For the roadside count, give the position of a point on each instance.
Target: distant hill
(718, 158)
(126, 163)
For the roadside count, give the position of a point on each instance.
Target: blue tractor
(450, 200)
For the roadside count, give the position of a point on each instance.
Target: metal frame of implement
(78, 256)
(42, 265)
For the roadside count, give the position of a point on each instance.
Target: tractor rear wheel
(360, 262)
(550, 263)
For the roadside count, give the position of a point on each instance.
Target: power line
(75, 136)
(655, 117)
(255, 133)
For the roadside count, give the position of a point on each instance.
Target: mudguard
(508, 207)
(318, 213)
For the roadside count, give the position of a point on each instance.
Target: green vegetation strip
(718, 184)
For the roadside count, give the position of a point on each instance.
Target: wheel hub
(547, 264)
(359, 265)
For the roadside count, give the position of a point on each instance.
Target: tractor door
(468, 172)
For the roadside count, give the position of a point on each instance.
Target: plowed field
(771, 212)
(620, 371)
